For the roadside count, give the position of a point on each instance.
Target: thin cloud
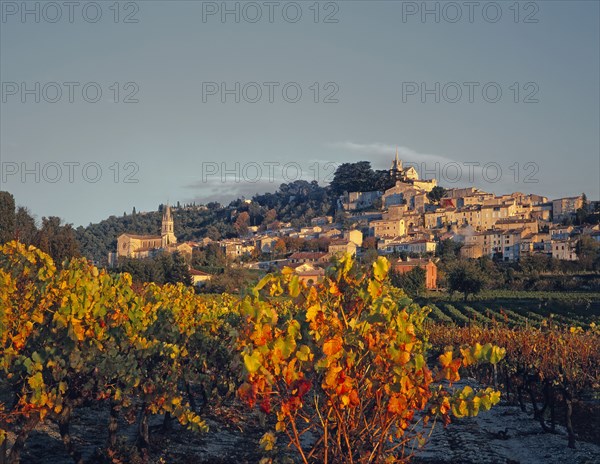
(389, 151)
(225, 192)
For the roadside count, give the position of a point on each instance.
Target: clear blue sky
(372, 55)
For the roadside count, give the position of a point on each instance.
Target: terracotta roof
(514, 221)
(413, 262)
(311, 272)
(198, 273)
(341, 241)
(314, 255)
(143, 237)
(140, 250)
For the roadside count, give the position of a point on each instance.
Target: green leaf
(252, 362)
(303, 353)
(419, 361)
(497, 354)
(286, 346)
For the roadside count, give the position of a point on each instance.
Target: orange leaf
(332, 346)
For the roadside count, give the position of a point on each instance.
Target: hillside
(297, 202)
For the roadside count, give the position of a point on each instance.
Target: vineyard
(552, 361)
(349, 370)
(517, 312)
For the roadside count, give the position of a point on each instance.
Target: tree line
(53, 237)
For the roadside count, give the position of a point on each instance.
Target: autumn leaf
(381, 268)
(332, 346)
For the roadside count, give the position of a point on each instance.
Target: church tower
(397, 163)
(396, 171)
(168, 237)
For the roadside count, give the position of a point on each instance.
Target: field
(516, 308)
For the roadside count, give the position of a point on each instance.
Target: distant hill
(297, 202)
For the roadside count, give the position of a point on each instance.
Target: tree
(25, 228)
(241, 223)
(280, 247)
(175, 269)
(211, 256)
(465, 277)
(7, 217)
(582, 215)
(142, 270)
(436, 194)
(588, 252)
(213, 233)
(369, 257)
(383, 180)
(353, 177)
(270, 217)
(412, 282)
(164, 268)
(370, 243)
(233, 280)
(449, 250)
(57, 240)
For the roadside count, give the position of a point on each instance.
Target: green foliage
(58, 240)
(448, 250)
(211, 255)
(163, 268)
(7, 217)
(465, 277)
(296, 202)
(436, 194)
(412, 282)
(359, 177)
(232, 281)
(588, 252)
(25, 228)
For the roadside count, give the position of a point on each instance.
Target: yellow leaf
(267, 442)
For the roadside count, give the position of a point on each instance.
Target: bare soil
(503, 435)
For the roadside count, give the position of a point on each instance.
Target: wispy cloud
(224, 192)
(388, 151)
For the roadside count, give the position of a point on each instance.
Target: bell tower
(396, 171)
(167, 234)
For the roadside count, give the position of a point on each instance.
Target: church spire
(167, 213)
(396, 169)
(167, 233)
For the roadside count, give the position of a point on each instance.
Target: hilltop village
(408, 221)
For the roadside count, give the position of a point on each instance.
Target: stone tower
(168, 237)
(397, 171)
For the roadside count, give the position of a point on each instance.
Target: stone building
(145, 246)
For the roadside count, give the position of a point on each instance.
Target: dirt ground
(503, 435)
